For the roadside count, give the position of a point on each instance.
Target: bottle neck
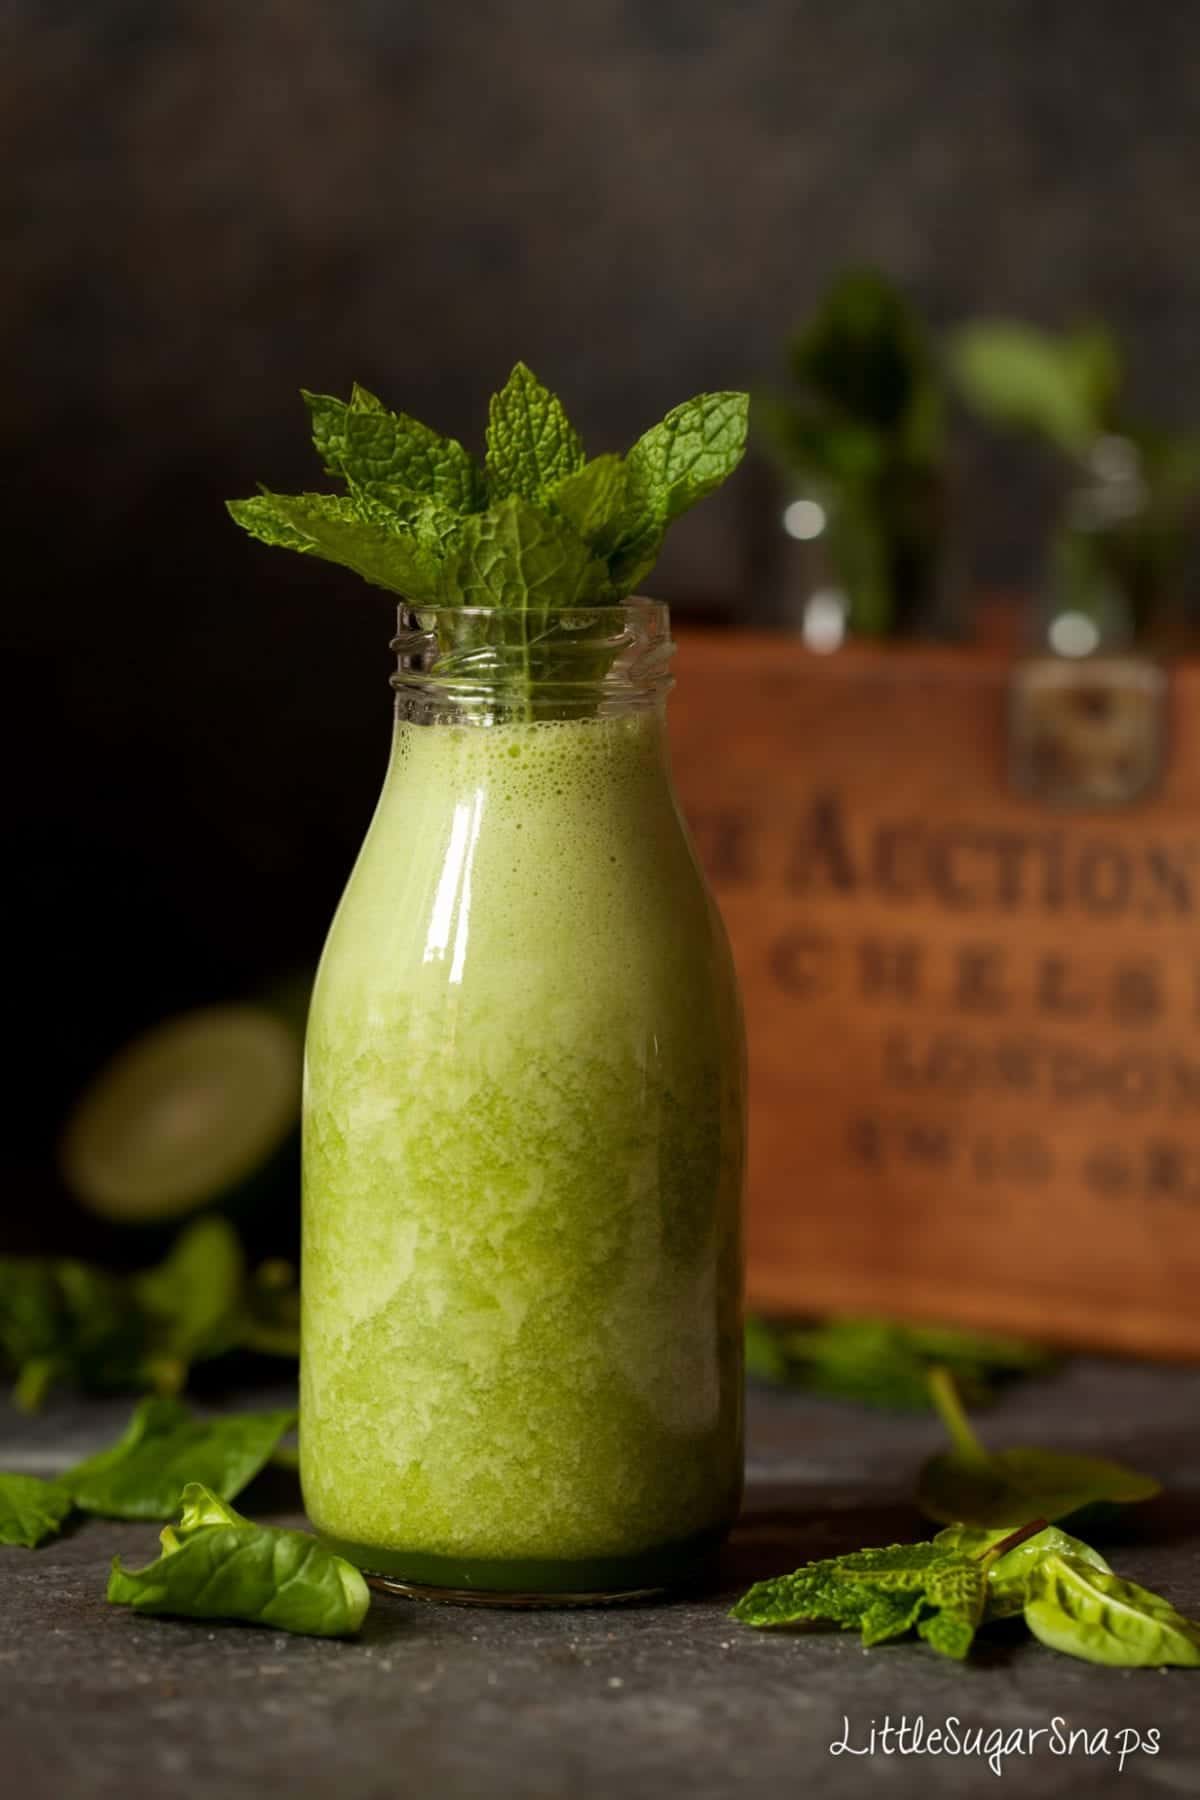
(485, 666)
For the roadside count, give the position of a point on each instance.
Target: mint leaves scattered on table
(938, 1590)
(217, 1565)
(884, 1363)
(537, 526)
(983, 1567)
(142, 1476)
(64, 1321)
(948, 1589)
(969, 1485)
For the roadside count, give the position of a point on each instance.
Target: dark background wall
(211, 202)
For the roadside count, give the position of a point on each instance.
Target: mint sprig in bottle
(524, 1118)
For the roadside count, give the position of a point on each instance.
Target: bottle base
(446, 1596)
(534, 1582)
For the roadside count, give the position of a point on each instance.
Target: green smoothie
(523, 1149)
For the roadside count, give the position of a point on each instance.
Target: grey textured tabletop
(654, 1701)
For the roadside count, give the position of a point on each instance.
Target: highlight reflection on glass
(452, 903)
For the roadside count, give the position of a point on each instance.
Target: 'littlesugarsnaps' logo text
(993, 1743)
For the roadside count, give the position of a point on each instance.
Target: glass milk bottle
(524, 1131)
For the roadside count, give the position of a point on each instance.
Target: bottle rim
(485, 664)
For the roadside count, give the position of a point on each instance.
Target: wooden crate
(974, 1018)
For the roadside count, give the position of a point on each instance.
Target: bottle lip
(489, 663)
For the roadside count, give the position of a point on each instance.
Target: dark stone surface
(647, 1702)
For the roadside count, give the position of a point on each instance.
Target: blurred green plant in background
(864, 437)
(72, 1324)
(862, 430)
(1120, 549)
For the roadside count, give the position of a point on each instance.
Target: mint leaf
(889, 1615)
(592, 500)
(531, 444)
(366, 442)
(671, 466)
(813, 1594)
(885, 1592)
(383, 446)
(689, 453)
(267, 517)
(164, 1448)
(332, 526)
(327, 419)
(956, 1591)
(433, 525)
(217, 1565)
(889, 1566)
(31, 1510)
(518, 556)
(839, 1588)
(560, 531)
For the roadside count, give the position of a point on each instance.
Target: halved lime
(185, 1116)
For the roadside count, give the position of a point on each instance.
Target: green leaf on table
(827, 1590)
(955, 1597)
(531, 444)
(971, 1486)
(1009, 1574)
(32, 1510)
(937, 1589)
(883, 1592)
(890, 1613)
(215, 1564)
(165, 1447)
(885, 1362)
(1093, 1614)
